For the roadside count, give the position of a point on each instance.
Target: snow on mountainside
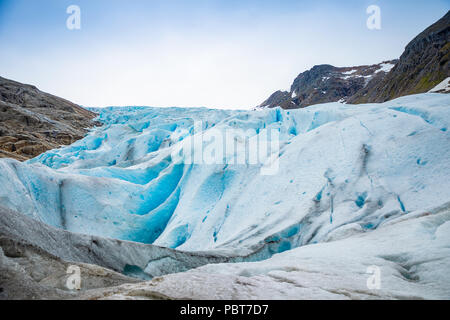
(343, 169)
(442, 87)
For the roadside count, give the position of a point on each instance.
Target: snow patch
(385, 67)
(442, 87)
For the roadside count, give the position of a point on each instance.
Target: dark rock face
(326, 83)
(32, 122)
(423, 65)
(279, 98)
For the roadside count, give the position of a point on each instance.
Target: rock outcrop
(32, 121)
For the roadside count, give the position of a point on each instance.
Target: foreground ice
(344, 170)
(408, 258)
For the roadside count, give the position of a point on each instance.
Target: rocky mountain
(279, 98)
(423, 66)
(326, 83)
(32, 121)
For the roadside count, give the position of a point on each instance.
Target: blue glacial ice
(340, 165)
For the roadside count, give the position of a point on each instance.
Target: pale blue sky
(226, 53)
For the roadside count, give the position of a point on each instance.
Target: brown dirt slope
(32, 121)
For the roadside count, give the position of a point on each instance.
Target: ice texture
(410, 257)
(344, 170)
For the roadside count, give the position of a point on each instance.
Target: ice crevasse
(343, 169)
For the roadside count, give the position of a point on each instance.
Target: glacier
(356, 187)
(411, 254)
(344, 171)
